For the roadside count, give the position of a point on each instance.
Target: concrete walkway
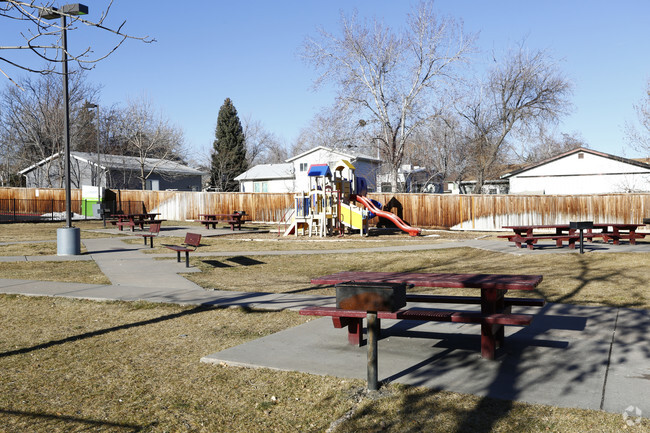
(571, 356)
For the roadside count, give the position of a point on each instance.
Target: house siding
(586, 174)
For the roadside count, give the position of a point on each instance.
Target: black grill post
(371, 297)
(581, 225)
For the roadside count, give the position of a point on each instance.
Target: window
(304, 166)
(261, 187)
(581, 155)
(152, 185)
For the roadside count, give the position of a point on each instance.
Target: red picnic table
(495, 307)
(211, 219)
(563, 232)
(133, 219)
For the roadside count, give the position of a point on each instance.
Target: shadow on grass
(73, 423)
(92, 334)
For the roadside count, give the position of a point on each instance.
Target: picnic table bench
(191, 243)
(495, 314)
(133, 219)
(234, 219)
(525, 234)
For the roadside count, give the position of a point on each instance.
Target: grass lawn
(588, 279)
(73, 366)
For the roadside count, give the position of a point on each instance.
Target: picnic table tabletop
(448, 280)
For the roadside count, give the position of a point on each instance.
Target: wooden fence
(467, 212)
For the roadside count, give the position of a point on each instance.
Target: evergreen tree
(229, 153)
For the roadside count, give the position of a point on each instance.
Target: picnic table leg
(492, 301)
(488, 341)
(354, 328)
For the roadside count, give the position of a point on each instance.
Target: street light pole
(68, 240)
(66, 124)
(98, 176)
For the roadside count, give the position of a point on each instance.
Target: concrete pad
(561, 359)
(628, 379)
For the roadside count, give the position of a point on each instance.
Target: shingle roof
(127, 162)
(571, 152)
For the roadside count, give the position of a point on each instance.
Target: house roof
(267, 172)
(572, 152)
(123, 162)
(343, 155)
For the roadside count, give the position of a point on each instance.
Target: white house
(292, 176)
(267, 178)
(581, 171)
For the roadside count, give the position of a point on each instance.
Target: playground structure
(337, 202)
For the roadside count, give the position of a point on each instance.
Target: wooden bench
(122, 223)
(208, 223)
(530, 241)
(154, 231)
(192, 242)
(235, 222)
(492, 325)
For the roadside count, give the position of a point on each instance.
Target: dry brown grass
(72, 366)
(587, 279)
(22, 232)
(69, 272)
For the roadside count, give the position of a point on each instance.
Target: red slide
(388, 215)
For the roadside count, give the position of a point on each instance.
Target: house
(292, 176)
(411, 178)
(267, 178)
(112, 171)
(490, 186)
(581, 171)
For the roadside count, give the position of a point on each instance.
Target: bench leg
(354, 328)
(178, 256)
(187, 259)
(145, 240)
(151, 239)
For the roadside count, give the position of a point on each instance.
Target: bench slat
(427, 315)
(446, 299)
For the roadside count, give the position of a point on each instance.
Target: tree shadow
(91, 334)
(76, 423)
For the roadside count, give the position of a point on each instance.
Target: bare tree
(262, 146)
(640, 138)
(42, 37)
(149, 137)
(31, 121)
(441, 146)
(389, 77)
(522, 91)
(548, 145)
(331, 127)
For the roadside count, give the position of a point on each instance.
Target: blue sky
(248, 51)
